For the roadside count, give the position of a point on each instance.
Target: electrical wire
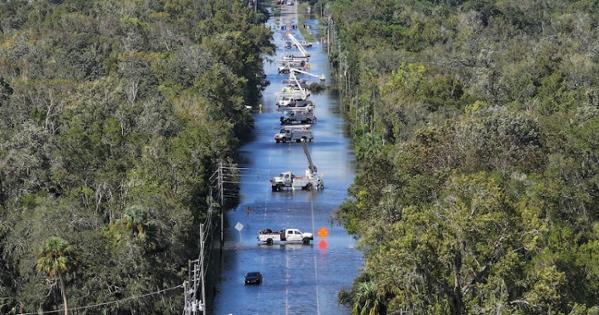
(106, 303)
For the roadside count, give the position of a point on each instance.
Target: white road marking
(314, 257)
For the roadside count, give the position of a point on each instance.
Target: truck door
(290, 235)
(294, 236)
(298, 236)
(287, 179)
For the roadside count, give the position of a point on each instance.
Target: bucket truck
(289, 181)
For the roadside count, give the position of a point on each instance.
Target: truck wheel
(308, 187)
(277, 140)
(298, 140)
(269, 241)
(284, 140)
(306, 241)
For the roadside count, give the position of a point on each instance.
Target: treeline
(113, 114)
(476, 128)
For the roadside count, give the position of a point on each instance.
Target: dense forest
(113, 114)
(476, 129)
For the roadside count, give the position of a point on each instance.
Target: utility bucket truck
(293, 99)
(289, 181)
(298, 115)
(285, 101)
(297, 133)
(286, 64)
(295, 94)
(299, 45)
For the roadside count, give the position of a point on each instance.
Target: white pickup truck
(286, 236)
(296, 133)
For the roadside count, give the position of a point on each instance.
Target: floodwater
(298, 279)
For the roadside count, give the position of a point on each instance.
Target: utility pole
(185, 296)
(203, 302)
(195, 274)
(222, 200)
(194, 292)
(329, 36)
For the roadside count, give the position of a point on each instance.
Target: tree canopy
(113, 115)
(476, 127)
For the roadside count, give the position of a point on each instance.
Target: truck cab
(296, 236)
(284, 179)
(283, 135)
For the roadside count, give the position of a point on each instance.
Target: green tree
(55, 259)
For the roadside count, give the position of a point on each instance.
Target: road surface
(297, 279)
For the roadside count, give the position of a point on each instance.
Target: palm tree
(135, 220)
(368, 300)
(54, 261)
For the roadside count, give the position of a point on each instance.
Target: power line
(106, 303)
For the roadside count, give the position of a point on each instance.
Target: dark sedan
(253, 278)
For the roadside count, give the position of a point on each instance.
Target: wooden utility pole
(185, 295)
(203, 279)
(222, 200)
(329, 37)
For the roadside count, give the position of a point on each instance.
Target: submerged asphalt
(298, 279)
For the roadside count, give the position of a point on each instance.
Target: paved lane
(297, 279)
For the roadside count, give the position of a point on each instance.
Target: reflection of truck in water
(294, 134)
(300, 115)
(287, 236)
(289, 181)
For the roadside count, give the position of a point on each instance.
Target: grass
(302, 12)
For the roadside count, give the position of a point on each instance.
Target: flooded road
(298, 279)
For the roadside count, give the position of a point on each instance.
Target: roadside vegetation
(113, 114)
(476, 129)
(303, 13)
